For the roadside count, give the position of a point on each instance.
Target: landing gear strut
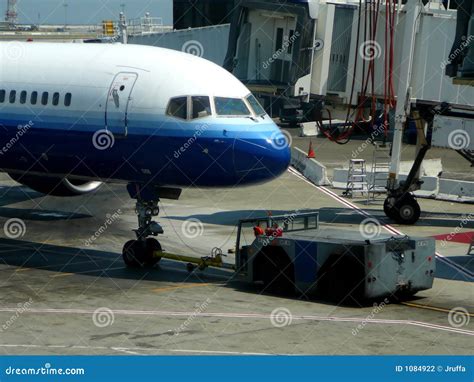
(142, 252)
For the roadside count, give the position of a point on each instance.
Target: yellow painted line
(23, 270)
(61, 275)
(429, 307)
(166, 289)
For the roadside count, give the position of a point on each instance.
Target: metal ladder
(380, 170)
(356, 178)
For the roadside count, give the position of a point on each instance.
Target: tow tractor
(308, 259)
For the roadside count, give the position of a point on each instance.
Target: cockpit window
(231, 106)
(201, 107)
(255, 105)
(178, 107)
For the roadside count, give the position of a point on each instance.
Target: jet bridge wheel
(406, 210)
(140, 254)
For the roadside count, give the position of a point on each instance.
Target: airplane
(73, 116)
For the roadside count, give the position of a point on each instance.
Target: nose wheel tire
(141, 254)
(406, 210)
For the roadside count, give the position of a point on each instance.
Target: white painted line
(134, 351)
(169, 314)
(387, 227)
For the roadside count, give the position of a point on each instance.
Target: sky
(87, 11)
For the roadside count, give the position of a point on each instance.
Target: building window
(34, 98)
(56, 99)
(67, 99)
(201, 107)
(44, 98)
(178, 107)
(23, 97)
(12, 96)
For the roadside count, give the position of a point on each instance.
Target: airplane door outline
(118, 102)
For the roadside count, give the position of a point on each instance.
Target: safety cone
(311, 153)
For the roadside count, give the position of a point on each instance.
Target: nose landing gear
(145, 250)
(404, 209)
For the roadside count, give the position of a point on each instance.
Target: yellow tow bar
(214, 260)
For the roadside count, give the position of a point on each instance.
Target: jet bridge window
(231, 106)
(178, 107)
(201, 107)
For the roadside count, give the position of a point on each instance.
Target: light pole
(65, 5)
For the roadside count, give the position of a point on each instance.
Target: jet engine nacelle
(55, 186)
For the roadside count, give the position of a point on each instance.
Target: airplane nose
(259, 160)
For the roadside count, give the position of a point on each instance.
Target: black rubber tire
(132, 254)
(407, 210)
(152, 246)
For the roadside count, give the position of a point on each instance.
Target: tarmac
(67, 291)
